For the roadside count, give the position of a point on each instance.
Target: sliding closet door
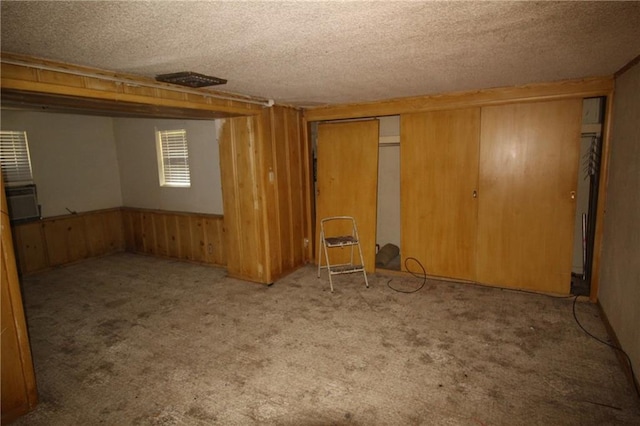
(528, 177)
(348, 182)
(439, 175)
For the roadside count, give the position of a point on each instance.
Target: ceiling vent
(190, 79)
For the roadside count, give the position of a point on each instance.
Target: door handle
(573, 195)
(475, 194)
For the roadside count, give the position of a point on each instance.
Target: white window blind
(173, 158)
(14, 158)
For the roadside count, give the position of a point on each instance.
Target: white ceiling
(309, 53)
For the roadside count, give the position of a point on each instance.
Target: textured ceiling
(315, 53)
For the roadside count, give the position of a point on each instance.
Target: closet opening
(388, 209)
(587, 194)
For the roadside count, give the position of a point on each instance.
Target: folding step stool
(340, 241)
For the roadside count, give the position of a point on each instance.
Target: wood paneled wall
(584, 88)
(18, 392)
(65, 239)
(61, 240)
(265, 173)
(187, 236)
(34, 80)
(285, 161)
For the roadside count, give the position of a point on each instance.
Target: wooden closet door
(439, 174)
(529, 157)
(348, 182)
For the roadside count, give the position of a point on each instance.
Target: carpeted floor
(135, 340)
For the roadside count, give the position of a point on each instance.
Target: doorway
(587, 194)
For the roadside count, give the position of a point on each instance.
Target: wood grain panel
(160, 234)
(128, 228)
(280, 170)
(439, 174)
(244, 221)
(173, 236)
(96, 234)
(189, 236)
(568, 89)
(30, 246)
(528, 168)
(198, 246)
(114, 229)
(18, 392)
(183, 226)
(284, 190)
(64, 239)
(296, 185)
(347, 181)
(21, 74)
(148, 233)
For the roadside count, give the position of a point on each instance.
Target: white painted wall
(137, 158)
(388, 229)
(73, 159)
(619, 290)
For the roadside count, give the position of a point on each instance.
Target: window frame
(172, 144)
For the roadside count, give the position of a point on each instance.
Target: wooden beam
(583, 88)
(32, 76)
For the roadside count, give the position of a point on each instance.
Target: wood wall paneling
(439, 174)
(65, 239)
(270, 176)
(30, 247)
(188, 236)
(296, 185)
(184, 243)
(18, 392)
(23, 76)
(265, 213)
(244, 221)
(568, 89)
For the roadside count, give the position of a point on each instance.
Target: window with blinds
(14, 158)
(173, 158)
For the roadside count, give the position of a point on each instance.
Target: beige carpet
(134, 340)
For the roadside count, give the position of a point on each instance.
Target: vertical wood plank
(129, 230)
(138, 227)
(18, 390)
(95, 233)
(160, 233)
(148, 233)
(296, 186)
(185, 247)
(198, 249)
(245, 236)
(30, 247)
(77, 238)
(173, 235)
(114, 226)
(55, 232)
(281, 142)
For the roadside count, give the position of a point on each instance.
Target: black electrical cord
(633, 377)
(575, 317)
(416, 275)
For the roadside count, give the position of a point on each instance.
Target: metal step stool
(350, 240)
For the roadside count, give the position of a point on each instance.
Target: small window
(14, 158)
(173, 158)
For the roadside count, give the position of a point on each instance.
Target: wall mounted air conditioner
(23, 203)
